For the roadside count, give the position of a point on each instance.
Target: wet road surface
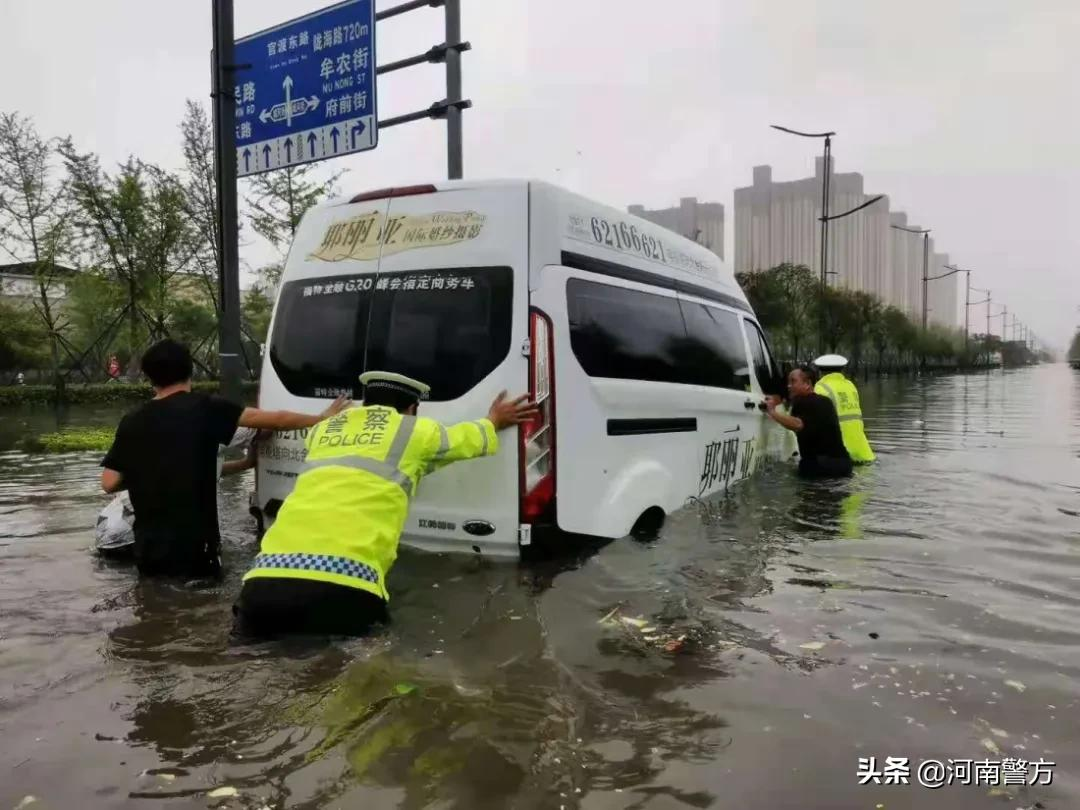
(927, 609)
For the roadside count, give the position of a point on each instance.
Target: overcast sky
(964, 113)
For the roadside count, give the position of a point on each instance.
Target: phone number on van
(626, 237)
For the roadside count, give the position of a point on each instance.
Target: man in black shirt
(165, 455)
(815, 424)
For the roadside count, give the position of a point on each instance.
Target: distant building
(777, 222)
(18, 285)
(700, 222)
(943, 295)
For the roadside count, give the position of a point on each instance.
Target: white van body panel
(711, 437)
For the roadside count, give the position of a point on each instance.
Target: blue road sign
(309, 93)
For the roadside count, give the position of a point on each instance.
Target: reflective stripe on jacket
(343, 520)
(845, 397)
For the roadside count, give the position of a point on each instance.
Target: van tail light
(537, 451)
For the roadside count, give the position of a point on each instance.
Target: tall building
(701, 222)
(778, 222)
(943, 294)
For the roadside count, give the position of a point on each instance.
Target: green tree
(278, 201)
(23, 340)
(93, 310)
(199, 195)
(902, 334)
(135, 231)
(35, 222)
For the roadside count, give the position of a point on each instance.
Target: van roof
(706, 265)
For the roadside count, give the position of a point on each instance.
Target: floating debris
(812, 645)
(990, 745)
(607, 619)
(223, 793)
(26, 802)
(638, 623)
(1017, 685)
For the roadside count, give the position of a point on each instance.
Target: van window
(449, 328)
(764, 367)
(450, 331)
(317, 347)
(624, 334)
(716, 353)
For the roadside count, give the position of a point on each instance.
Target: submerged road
(927, 609)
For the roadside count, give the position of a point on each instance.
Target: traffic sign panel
(305, 90)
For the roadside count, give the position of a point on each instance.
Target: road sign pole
(229, 347)
(454, 153)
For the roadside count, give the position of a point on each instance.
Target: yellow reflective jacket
(343, 520)
(845, 396)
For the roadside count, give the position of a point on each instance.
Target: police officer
(323, 564)
(845, 396)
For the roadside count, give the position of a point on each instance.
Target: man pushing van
(323, 564)
(165, 455)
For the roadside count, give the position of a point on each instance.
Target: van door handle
(749, 404)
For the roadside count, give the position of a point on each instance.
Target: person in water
(322, 566)
(813, 420)
(165, 455)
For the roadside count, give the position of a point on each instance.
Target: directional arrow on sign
(334, 136)
(266, 155)
(288, 150)
(286, 112)
(357, 131)
(311, 144)
(287, 84)
(247, 160)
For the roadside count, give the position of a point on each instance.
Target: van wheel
(649, 524)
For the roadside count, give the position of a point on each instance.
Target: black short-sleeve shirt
(166, 451)
(820, 437)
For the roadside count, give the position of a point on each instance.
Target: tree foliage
(278, 201)
(791, 305)
(135, 230)
(199, 195)
(23, 343)
(35, 221)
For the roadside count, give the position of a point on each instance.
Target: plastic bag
(115, 528)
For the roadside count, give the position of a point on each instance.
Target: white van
(638, 344)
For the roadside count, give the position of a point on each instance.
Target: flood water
(927, 609)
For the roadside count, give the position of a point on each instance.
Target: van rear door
(444, 300)
(451, 312)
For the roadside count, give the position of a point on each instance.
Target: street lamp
(968, 304)
(925, 262)
(826, 172)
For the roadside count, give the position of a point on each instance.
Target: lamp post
(826, 220)
(967, 298)
(967, 310)
(925, 262)
(826, 171)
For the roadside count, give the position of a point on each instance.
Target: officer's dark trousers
(270, 607)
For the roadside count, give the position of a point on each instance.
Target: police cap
(395, 382)
(831, 361)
